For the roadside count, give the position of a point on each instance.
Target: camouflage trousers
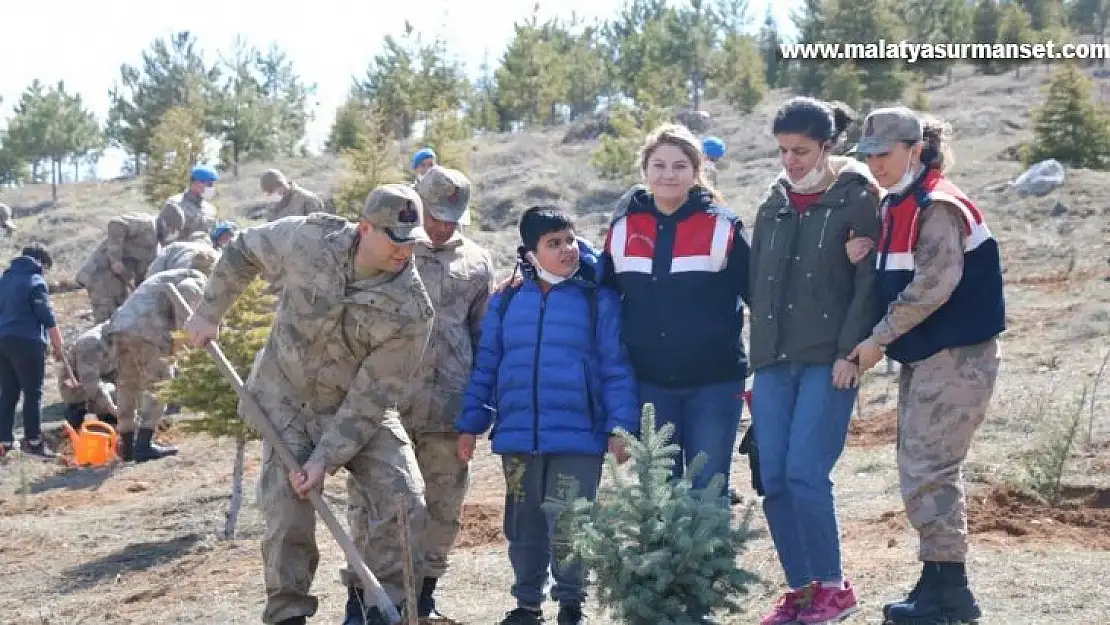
(446, 479)
(386, 475)
(942, 401)
(107, 292)
(140, 367)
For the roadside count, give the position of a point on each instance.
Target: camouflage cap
(6, 218)
(445, 193)
(396, 209)
(886, 127)
(272, 179)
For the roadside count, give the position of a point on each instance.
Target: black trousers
(22, 369)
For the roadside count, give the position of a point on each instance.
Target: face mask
(906, 180)
(274, 197)
(814, 177)
(209, 193)
(544, 274)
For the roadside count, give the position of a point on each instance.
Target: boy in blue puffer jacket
(554, 380)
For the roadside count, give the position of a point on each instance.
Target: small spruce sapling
(663, 552)
(200, 387)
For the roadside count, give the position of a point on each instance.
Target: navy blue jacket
(25, 309)
(542, 381)
(683, 279)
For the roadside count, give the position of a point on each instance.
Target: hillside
(136, 544)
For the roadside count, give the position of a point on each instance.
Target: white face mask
(209, 193)
(907, 178)
(544, 274)
(814, 177)
(274, 197)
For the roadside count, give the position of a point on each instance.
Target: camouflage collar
(424, 243)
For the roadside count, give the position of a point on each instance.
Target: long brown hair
(680, 137)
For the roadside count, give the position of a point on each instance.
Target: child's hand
(618, 449)
(466, 445)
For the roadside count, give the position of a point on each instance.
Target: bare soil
(137, 544)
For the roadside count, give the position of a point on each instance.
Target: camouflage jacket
(131, 239)
(341, 351)
(200, 216)
(93, 362)
(151, 312)
(459, 278)
(297, 201)
(190, 254)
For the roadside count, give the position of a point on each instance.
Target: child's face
(557, 253)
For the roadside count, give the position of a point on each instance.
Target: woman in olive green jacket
(810, 305)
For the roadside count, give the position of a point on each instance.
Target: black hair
(821, 121)
(936, 152)
(540, 220)
(40, 254)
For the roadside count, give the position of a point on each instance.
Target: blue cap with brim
(204, 173)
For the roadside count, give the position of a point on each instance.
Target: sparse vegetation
(200, 386)
(1046, 465)
(616, 157)
(1070, 126)
(662, 551)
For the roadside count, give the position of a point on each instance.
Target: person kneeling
(553, 379)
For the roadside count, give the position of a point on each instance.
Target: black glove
(748, 448)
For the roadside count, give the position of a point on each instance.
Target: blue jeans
(705, 419)
(535, 539)
(801, 425)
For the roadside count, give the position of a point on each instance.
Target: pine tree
(199, 385)
(176, 145)
(374, 162)
(615, 159)
(662, 551)
(1070, 127)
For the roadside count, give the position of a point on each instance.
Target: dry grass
(135, 545)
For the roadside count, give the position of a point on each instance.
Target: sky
(84, 42)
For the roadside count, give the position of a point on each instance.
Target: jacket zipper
(783, 290)
(536, 378)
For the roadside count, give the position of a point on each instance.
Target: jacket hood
(638, 198)
(24, 265)
(589, 270)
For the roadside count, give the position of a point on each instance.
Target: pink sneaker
(789, 605)
(829, 605)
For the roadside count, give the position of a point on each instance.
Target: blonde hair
(680, 137)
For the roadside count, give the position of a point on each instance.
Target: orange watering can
(95, 444)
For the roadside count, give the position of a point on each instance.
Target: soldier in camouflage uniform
(141, 334)
(352, 323)
(714, 149)
(289, 198)
(458, 275)
(123, 258)
(194, 253)
(6, 223)
(94, 366)
(199, 214)
(940, 275)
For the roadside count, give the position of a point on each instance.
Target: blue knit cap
(421, 155)
(221, 229)
(204, 173)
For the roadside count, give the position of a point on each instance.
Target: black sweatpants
(22, 369)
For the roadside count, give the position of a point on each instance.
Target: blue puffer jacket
(543, 383)
(25, 309)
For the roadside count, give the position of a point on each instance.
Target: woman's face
(889, 167)
(799, 154)
(557, 253)
(670, 173)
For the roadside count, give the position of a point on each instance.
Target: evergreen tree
(737, 73)
(843, 83)
(662, 551)
(374, 161)
(937, 20)
(1069, 126)
(986, 25)
(774, 66)
(1015, 28)
(615, 158)
(176, 146)
(200, 386)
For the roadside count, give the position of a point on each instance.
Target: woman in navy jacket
(26, 324)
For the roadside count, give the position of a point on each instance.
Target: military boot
(943, 599)
(146, 449)
(426, 603)
(925, 577)
(127, 446)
